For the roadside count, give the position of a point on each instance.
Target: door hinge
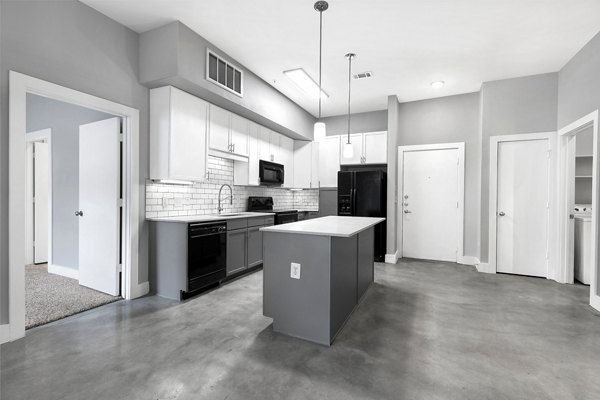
(547, 205)
(120, 202)
(457, 204)
(120, 137)
(548, 153)
(33, 199)
(120, 268)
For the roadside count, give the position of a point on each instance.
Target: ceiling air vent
(223, 73)
(363, 75)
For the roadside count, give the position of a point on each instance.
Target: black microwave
(270, 174)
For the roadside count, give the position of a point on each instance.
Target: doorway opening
(60, 174)
(578, 199)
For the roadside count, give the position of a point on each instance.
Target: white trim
(44, 135)
(468, 260)
(140, 290)
(485, 268)
(4, 333)
(493, 199)
(20, 85)
(564, 273)
(391, 258)
(63, 271)
(460, 146)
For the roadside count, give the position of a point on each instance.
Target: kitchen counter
(189, 219)
(327, 226)
(315, 273)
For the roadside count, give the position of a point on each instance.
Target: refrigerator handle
(354, 202)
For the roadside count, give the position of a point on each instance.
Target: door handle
(79, 213)
(407, 212)
(501, 213)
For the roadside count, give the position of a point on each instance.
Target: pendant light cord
(350, 56)
(320, 56)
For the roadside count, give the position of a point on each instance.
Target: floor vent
(363, 75)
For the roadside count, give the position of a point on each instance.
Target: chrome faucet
(230, 196)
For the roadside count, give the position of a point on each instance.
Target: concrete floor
(425, 331)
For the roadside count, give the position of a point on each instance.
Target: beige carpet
(50, 297)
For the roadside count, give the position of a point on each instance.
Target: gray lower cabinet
(245, 243)
(236, 250)
(255, 246)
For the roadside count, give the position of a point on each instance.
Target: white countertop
(327, 226)
(187, 219)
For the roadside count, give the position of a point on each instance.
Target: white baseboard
(64, 271)
(467, 260)
(4, 333)
(140, 290)
(595, 303)
(391, 258)
(485, 268)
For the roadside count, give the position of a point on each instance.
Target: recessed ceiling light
(437, 85)
(305, 83)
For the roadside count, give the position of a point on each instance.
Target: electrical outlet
(295, 271)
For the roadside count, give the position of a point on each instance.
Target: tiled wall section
(199, 199)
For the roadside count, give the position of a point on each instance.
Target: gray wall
(392, 172)
(64, 119)
(70, 44)
(176, 55)
(361, 122)
(579, 84)
(508, 107)
(448, 120)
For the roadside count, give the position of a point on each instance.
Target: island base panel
(365, 267)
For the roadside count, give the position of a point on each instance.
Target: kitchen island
(315, 274)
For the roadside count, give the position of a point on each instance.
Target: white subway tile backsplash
(201, 198)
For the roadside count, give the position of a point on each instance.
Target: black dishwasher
(207, 250)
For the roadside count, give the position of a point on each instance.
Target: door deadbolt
(79, 213)
(501, 213)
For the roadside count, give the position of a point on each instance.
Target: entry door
(430, 204)
(40, 204)
(522, 208)
(99, 208)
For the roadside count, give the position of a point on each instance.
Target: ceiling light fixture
(305, 83)
(437, 85)
(320, 130)
(348, 151)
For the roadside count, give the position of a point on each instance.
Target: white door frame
(44, 135)
(20, 85)
(460, 255)
(552, 186)
(564, 272)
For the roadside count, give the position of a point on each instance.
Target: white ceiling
(407, 44)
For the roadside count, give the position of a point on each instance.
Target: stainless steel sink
(231, 214)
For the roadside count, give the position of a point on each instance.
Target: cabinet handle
(233, 148)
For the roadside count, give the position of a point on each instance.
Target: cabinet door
(239, 135)
(357, 143)
(329, 161)
(236, 251)
(264, 144)
(253, 154)
(187, 137)
(255, 247)
(275, 146)
(314, 165)
(219, 129)
(375, 147)
(302, 164)
(286, 155)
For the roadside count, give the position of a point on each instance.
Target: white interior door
(99, 194)
(522, 207)
(40, 205)
(430, 204)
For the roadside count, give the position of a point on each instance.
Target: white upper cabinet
(246, 173)
(286, 157)
(329, 161)
(275, 147)
(228, 134)
(306, 165)
(239, 135)
(357, 144)
(264, 143)
(369, 148)
(178, 142)
(375, 147)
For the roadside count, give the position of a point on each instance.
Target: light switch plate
(295, 271)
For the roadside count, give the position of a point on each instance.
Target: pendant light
(320, 131)
(348, 151)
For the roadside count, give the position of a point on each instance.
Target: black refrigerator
(364, 194)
